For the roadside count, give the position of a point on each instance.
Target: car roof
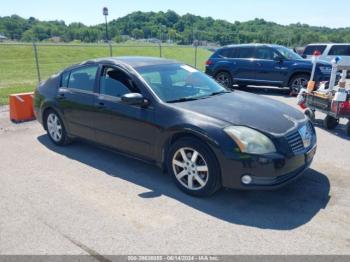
(328, 44)
(250, 45)
(132, 61)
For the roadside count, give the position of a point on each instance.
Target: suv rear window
(310, 50)
(342, 50)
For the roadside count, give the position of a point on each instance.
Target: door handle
(61, 96)
(100, 105)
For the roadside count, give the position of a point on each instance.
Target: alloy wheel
(299, 83)
(54, 127)
(190, 168)
(223, 79)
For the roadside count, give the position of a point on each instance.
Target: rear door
(243, 63)
(268, 69)
(76, 98)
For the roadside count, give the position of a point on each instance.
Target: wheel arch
(297, 73)
(207, 141)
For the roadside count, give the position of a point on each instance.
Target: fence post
(37, 62)
(160, 49)
(110, 49)
(195, 55)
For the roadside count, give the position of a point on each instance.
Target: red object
(21, 107)
(303, 106)
(317, 53)
(209, 62)
(344, 107)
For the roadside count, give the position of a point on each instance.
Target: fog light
(246, 179)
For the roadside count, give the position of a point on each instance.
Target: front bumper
(267, 172)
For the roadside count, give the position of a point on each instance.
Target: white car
(329, 52)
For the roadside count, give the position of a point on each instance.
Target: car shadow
(285, 209)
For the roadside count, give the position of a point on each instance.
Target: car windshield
(179, 82)
(288, 54)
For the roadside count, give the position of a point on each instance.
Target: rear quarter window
(65, 79)
(310, 50)
(228, 52)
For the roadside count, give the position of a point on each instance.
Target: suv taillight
(209, 62)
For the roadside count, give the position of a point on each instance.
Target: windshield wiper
(219, 93)
(185, 99)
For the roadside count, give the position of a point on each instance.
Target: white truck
(329, 52)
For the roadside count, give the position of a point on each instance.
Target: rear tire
(55, 128)
(193, 167)
(298, 82)
(330, 122)
(225, 79)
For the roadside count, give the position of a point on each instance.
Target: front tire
(298, 82)
(224, 79)
(55, 128)
(330, 122)
(194, 167)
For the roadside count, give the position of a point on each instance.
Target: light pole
(105, 13)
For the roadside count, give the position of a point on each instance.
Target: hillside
(169, 25)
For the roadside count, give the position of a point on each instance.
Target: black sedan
(175, 116)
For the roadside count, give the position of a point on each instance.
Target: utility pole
(105, 13)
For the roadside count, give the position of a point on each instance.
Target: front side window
(288, 53)
(341, 50)
(174, 82)
(83, 78)
(114, 82)
(265, 53)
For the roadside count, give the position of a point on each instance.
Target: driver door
(124, 127)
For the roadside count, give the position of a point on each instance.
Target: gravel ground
(82, 199)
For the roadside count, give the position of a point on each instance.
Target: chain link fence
(27, 64)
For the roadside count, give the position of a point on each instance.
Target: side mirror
(134, 99)
(304, 56)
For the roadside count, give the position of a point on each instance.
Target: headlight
(325, 70)
(250, 141)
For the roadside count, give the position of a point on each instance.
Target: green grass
(5, 92)
(18, 70)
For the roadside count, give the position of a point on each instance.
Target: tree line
(169, 26)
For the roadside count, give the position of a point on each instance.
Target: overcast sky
(334, 13)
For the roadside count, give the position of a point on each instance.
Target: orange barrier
(21, 107)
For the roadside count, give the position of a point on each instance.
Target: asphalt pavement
(83, 199)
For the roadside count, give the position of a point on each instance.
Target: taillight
(209, 62)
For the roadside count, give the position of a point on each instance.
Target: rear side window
(65, 79)
(228, 52)
(341, 50)
(310, 50)
(83, 78)
(245, 52)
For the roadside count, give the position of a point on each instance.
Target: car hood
(246, 109)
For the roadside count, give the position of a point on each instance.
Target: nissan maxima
(169, 113)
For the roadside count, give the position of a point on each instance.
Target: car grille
(295, 142)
